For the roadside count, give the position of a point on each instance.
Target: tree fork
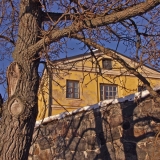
(20, 110)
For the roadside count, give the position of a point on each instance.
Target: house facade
(74, 82)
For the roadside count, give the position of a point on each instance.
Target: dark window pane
(76, 90)
(108, 91)
(70, 84)
(76, 95)
(76, 85)
(72, 89)
(107, 88)
(107, 64)
(69, 95)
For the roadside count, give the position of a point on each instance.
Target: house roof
(96, 52)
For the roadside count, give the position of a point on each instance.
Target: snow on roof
(130, 97)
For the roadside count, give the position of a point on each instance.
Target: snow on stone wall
(126, 130)
(131, 97)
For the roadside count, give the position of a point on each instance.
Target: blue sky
(76, 49)
(71, 44)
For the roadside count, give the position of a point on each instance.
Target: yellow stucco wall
(85, 71)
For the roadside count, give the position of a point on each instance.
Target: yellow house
(77, 81)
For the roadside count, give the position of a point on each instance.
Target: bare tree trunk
(20, 111)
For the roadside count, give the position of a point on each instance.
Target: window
(141, 88)
(107, 64)
(72, 89)
(108, 91)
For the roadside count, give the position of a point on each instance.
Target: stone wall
(122, 131)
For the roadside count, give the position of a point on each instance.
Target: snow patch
(95, 50)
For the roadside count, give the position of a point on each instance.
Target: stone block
(45, 155)
(119, 150)
(116, 120)
(88, 132)
(112, 134)
(91, 142)
(44, 143)
(68, 155)
(82, 129)
(78, 155)
(76, 124)
(146, 107)
(152, 149)
(59, 144)
(91, 115)
(35, 157)
(77, 144)
(156, 114)
(92, 155)
(141, 153)
(36, 150)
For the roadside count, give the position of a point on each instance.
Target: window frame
(108, 67)
(103, 91)
(73, 94)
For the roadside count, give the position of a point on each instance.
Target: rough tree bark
(20, 111)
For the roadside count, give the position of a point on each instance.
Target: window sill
(73, 99)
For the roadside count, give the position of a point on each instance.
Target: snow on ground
(130, 97)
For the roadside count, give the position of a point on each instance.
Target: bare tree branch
(114, 55)
(7, 39)
(55, 35)
(47, 16)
